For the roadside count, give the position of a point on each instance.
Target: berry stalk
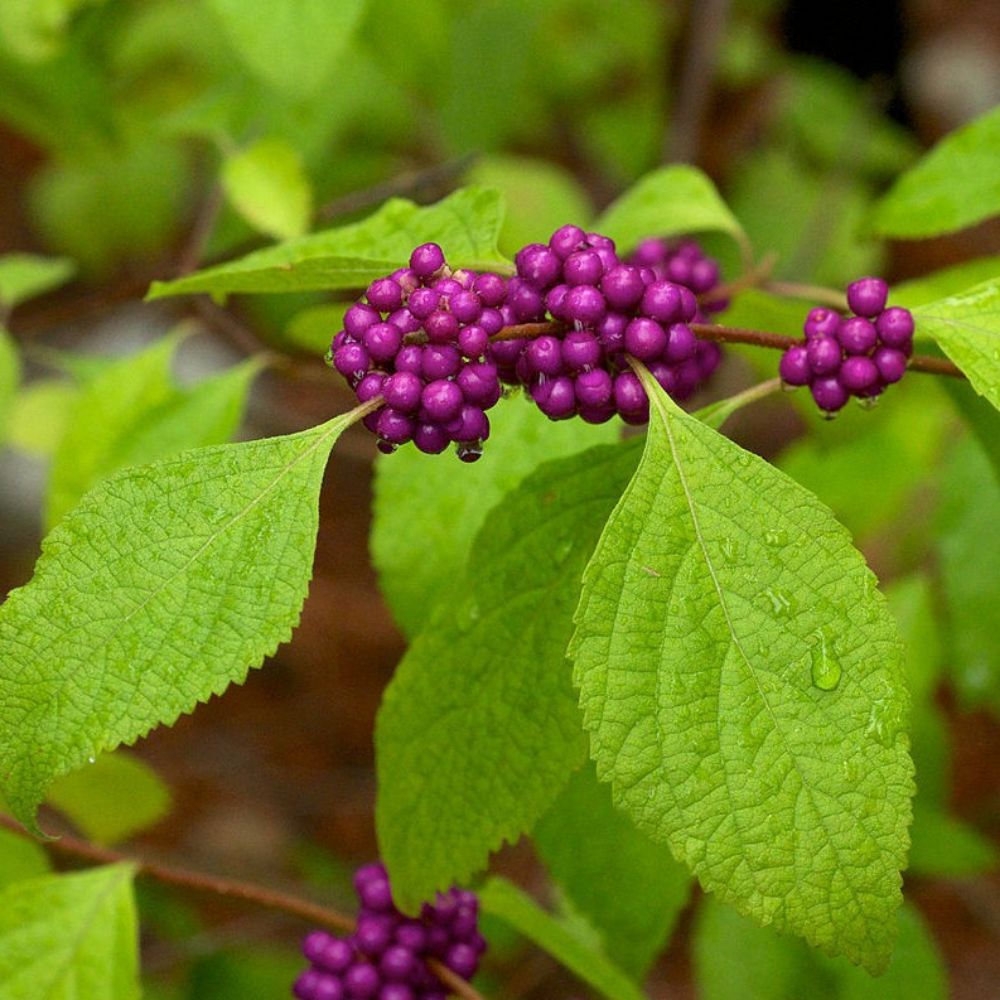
(250, 892)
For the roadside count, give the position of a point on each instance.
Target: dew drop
(826, 670)
(883, 722)
(782, 602)
(776, 538)
(730, 550)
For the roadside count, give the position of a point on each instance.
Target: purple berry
(645, 339)
(567, 240)
(358, 318)
(383, 341)
(471, 424)
(385, 294)
(895, 327)
(479, 383)
(431, 439)
(857, 335)
(443, 402)
(689, 304)
(397, 991)
(622, 287)
(649, 252)
(829, 394)
(465, 306)
(704, 275)
(681, 343)
(525, 302)
(867, 296)
(538, 265)
(393, 426)
(402, 391)
(858, 374)
(491, 320)
(362, 981)
(821, 323)
(473, 341)
(611, 332)
(351, 361)
(556, 397)
(426, 259)
(824, 355)
(422, 302)
(555, 302)
(446, 287)
(891, 364)
(585, 304)
(544, 355)
(410, 358)
(582, 268)
(375, 894)
(306, 985)
(370, 386)
(629, 395)
(580, 350)
(506, 352)
(397, 963)
(593, 388)
(678, 269)
(597, 414)
(462, 959)
(794, 366)
(491, 289)
(405, 321)
(440, 361)
(662, 301)
(411, 934)
(441, 327)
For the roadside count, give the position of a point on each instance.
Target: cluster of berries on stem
(432, 343)
(857, 355)
(386, 957)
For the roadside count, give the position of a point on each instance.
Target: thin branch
(750, 278)
(814, 293)
(706, 27)
(259, 895)
(201, 231)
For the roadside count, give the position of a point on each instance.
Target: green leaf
(945, 847)
(165, 584)
(735, 959)
(293, 45)
(241, 974)
(968, 554)
(267, 185)
(24, 276)
(35, 30)
(64, 937)
(10, 376)
(957, 184)
(540, 197)
(948, 281)
(668, 201)
(426, 514)
(466, 224)
(983, 420)
(313, 329)
(112, 799)
(967, 327)
(39, 416)
(484, 691)
(505, 900)
(20, 858)
(740, 678)
(628, 887)
(132, 413)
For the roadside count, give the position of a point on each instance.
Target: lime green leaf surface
(484, 692)
(628, 887)
(945, 847)
(163, 586)
(968, 556)
(502, 899)
(267, 185)
(466, 224)
(112, 799)
(668, 201)
(955, 185)
(293, 45)
(967, 327)
(10, 375)
(39, 416)
(982, 419)
(740, 678)
(24, 276)
(20, 858)
(428, 513)
(948, 281)
(35, 30)
(132, 413)
(66, 937)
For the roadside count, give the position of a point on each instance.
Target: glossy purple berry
(462, 959)
(473, 341)
(629, 395)
(867, 296)
(351, 361)
(402, 390)
(422, 302)
(426, 259)
(681, 343)
(858, 374)
(471, 424)
(373, 933)
(611, 332)
(821, 323)
(525, 302)
(895, 327)
(622, 287)
(441, 327)
(555, 302)
(662, 301)
(645, 339)
(362, 981)
(567, 240)
(375, 894)
(704, 275)
(555, 397)
(465, 306)
(544, 354)
(491, 289)
(397, 963)
(585, 304)
(538, 265)
(410, 358)
(794, 366)
(829, 394)
(582, 268)
(431, 439)
(491, 320)
(440, 361)
(443, 402)
(580, 350)
(370, 386)
(405, 321)
(385, 294)
(857, 335)
(479, 383)
(382, 341)
(358, 318)
(649, 252)
(824, 355)
(891, 364)
(594, 388)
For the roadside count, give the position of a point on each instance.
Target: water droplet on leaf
(776, 538)
(826, 669)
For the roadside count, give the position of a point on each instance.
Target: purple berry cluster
(609, 309)
(385, 957)
(420, 341)
(684, 263)
(857, 355)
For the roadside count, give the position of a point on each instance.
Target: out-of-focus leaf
(39, 415)
(25, 275)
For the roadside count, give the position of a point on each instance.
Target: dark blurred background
(114, 120)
